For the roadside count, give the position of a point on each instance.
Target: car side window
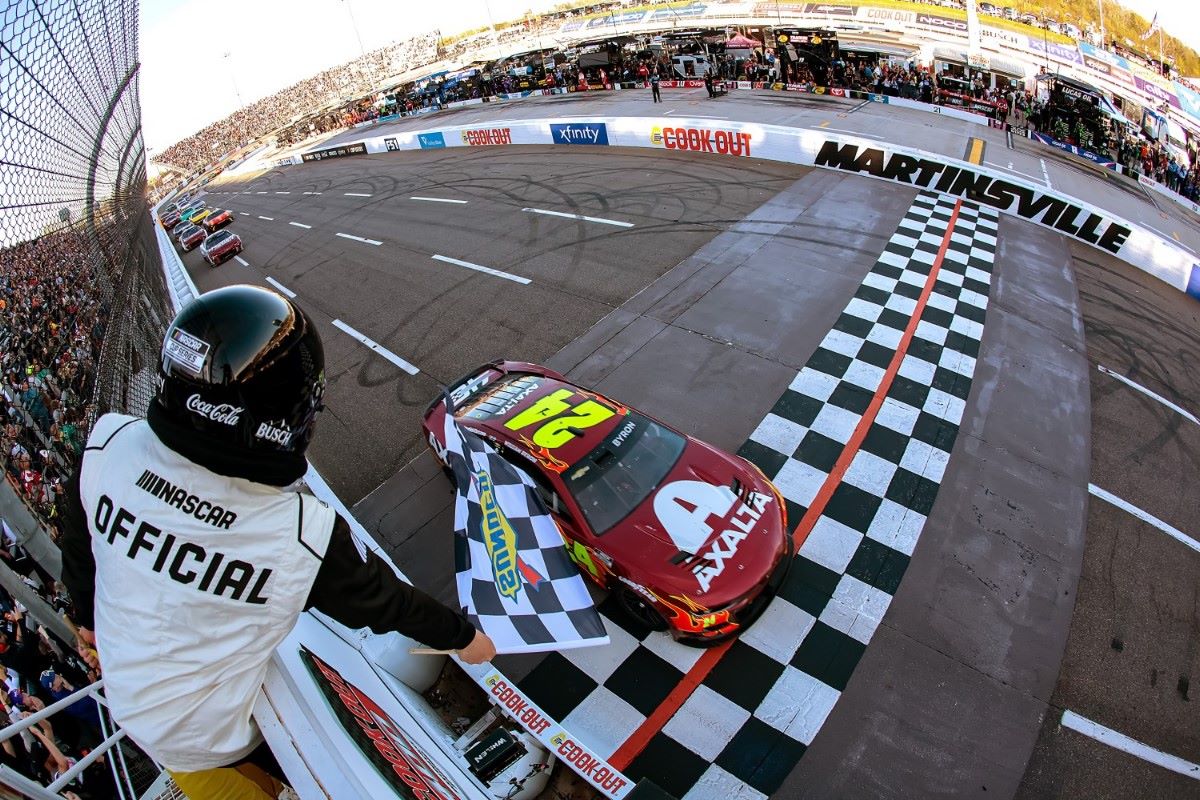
(544, 489)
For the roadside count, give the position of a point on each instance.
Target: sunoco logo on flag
(515, 581)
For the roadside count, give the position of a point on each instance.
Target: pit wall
(1007, 193)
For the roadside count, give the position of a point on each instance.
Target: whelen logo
(703, 140)
(223, 413)
(485, 136)
(579, 133)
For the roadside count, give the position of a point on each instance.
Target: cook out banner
(1004, 191)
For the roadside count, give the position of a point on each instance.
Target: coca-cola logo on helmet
(224, 413)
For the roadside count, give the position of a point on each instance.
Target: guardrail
(32, 789)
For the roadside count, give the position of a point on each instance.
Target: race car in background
(220, 246)
(690, 539)
(191, 237)
(169, 219)
(201, 215)
(216, 220)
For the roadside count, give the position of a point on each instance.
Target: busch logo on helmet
(224, 413)
(279, 435)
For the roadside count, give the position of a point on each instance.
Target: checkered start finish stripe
(748, 723)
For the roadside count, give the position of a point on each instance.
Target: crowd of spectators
(36, 670)
(332, 86)
(51, 328)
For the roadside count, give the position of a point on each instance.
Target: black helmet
(243, 366)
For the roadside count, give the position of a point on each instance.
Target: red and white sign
(477, 137)
(703, 140)
(604, 777)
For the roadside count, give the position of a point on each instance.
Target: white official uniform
(198, 578)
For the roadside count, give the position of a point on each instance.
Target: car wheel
(639, 609)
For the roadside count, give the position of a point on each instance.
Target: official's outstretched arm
(365, 592)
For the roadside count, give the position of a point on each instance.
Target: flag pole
(1161, 64)
(1101, 4)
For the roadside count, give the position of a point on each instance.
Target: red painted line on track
(654, 723)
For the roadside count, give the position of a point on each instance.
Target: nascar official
(190, 551)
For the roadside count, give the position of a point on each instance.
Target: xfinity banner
(1060, 52)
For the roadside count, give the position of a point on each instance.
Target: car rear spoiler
(494, 364)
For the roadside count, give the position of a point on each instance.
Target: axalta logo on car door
(685, 509)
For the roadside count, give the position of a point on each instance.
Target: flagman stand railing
(120, 770)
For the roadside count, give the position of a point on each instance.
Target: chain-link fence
(82, 297)
(83, 303)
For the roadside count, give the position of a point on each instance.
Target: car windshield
(621, 472)
(217, 238)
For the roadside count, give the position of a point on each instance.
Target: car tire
(639, 609)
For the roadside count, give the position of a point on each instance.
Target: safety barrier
(32, 789)
(906, 166)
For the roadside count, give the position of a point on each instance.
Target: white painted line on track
(1010, 168)
(1046, 174)
(383, 351)
(268, 219)
(1137, 387)
(355, 194)
(299, 224)
(498, 273)
(312, 192)
(601, 220)
(1125, 744)
(260, 192)
(672, 111)
(241, 261)
(281, 287)
(1145, 516)
(359, 239)
(283, 193)
(244, 213)
(440, 200)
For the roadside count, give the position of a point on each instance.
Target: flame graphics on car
(500, 539)
(544, 457)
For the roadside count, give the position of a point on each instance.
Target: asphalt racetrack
(974, 574)
(445, 319)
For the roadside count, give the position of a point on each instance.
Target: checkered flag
(515, 581)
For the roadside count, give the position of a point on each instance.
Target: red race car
(216, 220)
(691, 539)
(220, 246)
(190, 237)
